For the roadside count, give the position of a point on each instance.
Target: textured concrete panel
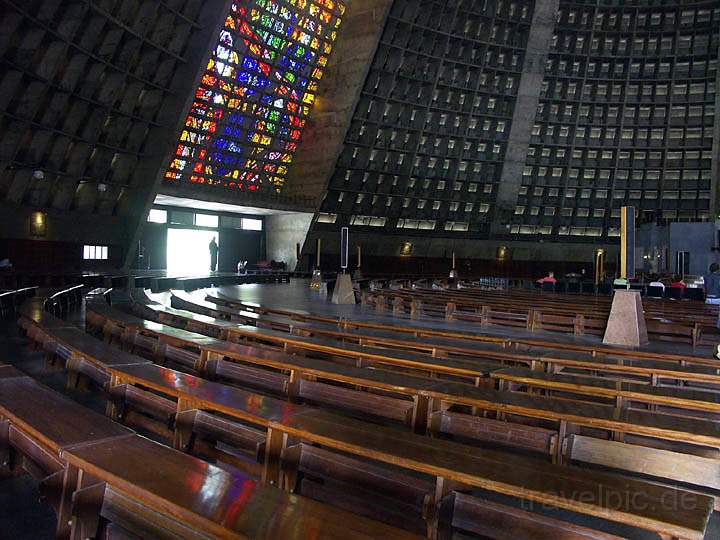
(282, 233)
(339, 90)
(541, 32)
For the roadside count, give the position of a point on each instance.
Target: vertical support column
(627, 242)
(528, 96)
(715, 164)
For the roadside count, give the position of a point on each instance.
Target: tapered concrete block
(626, 325)
(343, 292)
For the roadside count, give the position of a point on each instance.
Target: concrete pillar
(531, 78)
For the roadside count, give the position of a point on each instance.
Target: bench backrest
(689, 469)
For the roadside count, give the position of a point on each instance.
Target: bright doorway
(187, 251)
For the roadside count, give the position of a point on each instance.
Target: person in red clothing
(678, 283)
(550, 278)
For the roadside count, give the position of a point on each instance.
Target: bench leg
(5, 449)
(290, 465)
(184, 438)
(443, 488)
(445, 510)
(64, 511)
(116, 399)
(421, 408)
(73, 380)
(276, 442)
(86, 506)
(51, 489)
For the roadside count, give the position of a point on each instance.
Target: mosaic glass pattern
(248, 114)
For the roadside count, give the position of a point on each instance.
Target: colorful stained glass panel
(260, 84)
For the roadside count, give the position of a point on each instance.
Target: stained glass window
(248, 114)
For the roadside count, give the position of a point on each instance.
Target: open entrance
(187, 251)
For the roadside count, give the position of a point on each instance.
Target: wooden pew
(87, 358)
(571, 315)
(10, 372)
(244, 415)
(452, 466)
(36, 424)
(193, 398)
(466, 425)
(11, 300)
(155, 491)
(61, 302)
(664, 364)
(664, 465)
(140, 366)
(181, 318)
(299, 378)
(7, 303)
(463, 512)
(567, 414)
(439, 397)
(186, 301)
(92, 467)
(360, 354)
(473, 370)
(621, 392)
(473, 338)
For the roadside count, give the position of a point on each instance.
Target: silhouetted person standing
(213, 247)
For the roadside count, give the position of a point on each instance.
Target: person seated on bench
(550, 278)
(678, 283)
(657, 283)
(712, 284)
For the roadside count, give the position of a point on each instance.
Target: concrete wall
(339, 90)
(389, 246)
(656, 247)
(533, 72)
(282, 233)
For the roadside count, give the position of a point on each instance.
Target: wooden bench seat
(375, 491)
(533, 313)
(172, 392)
(680, 397)
(50, 419)
(10, 372)
(195, 393)
(159, 492)
(665, 465)
(32, 313)
(534, 408)
(302, 381)
(456, 367)
(182, 300)
(218, 297)
(650, 370)
(568, 412)
(36, 424)
(183, 319)
(558, 345)
(532, 480)
(461, 511)
(492, 352)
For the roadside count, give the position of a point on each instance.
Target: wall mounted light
(406, 248)
(38, 224)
